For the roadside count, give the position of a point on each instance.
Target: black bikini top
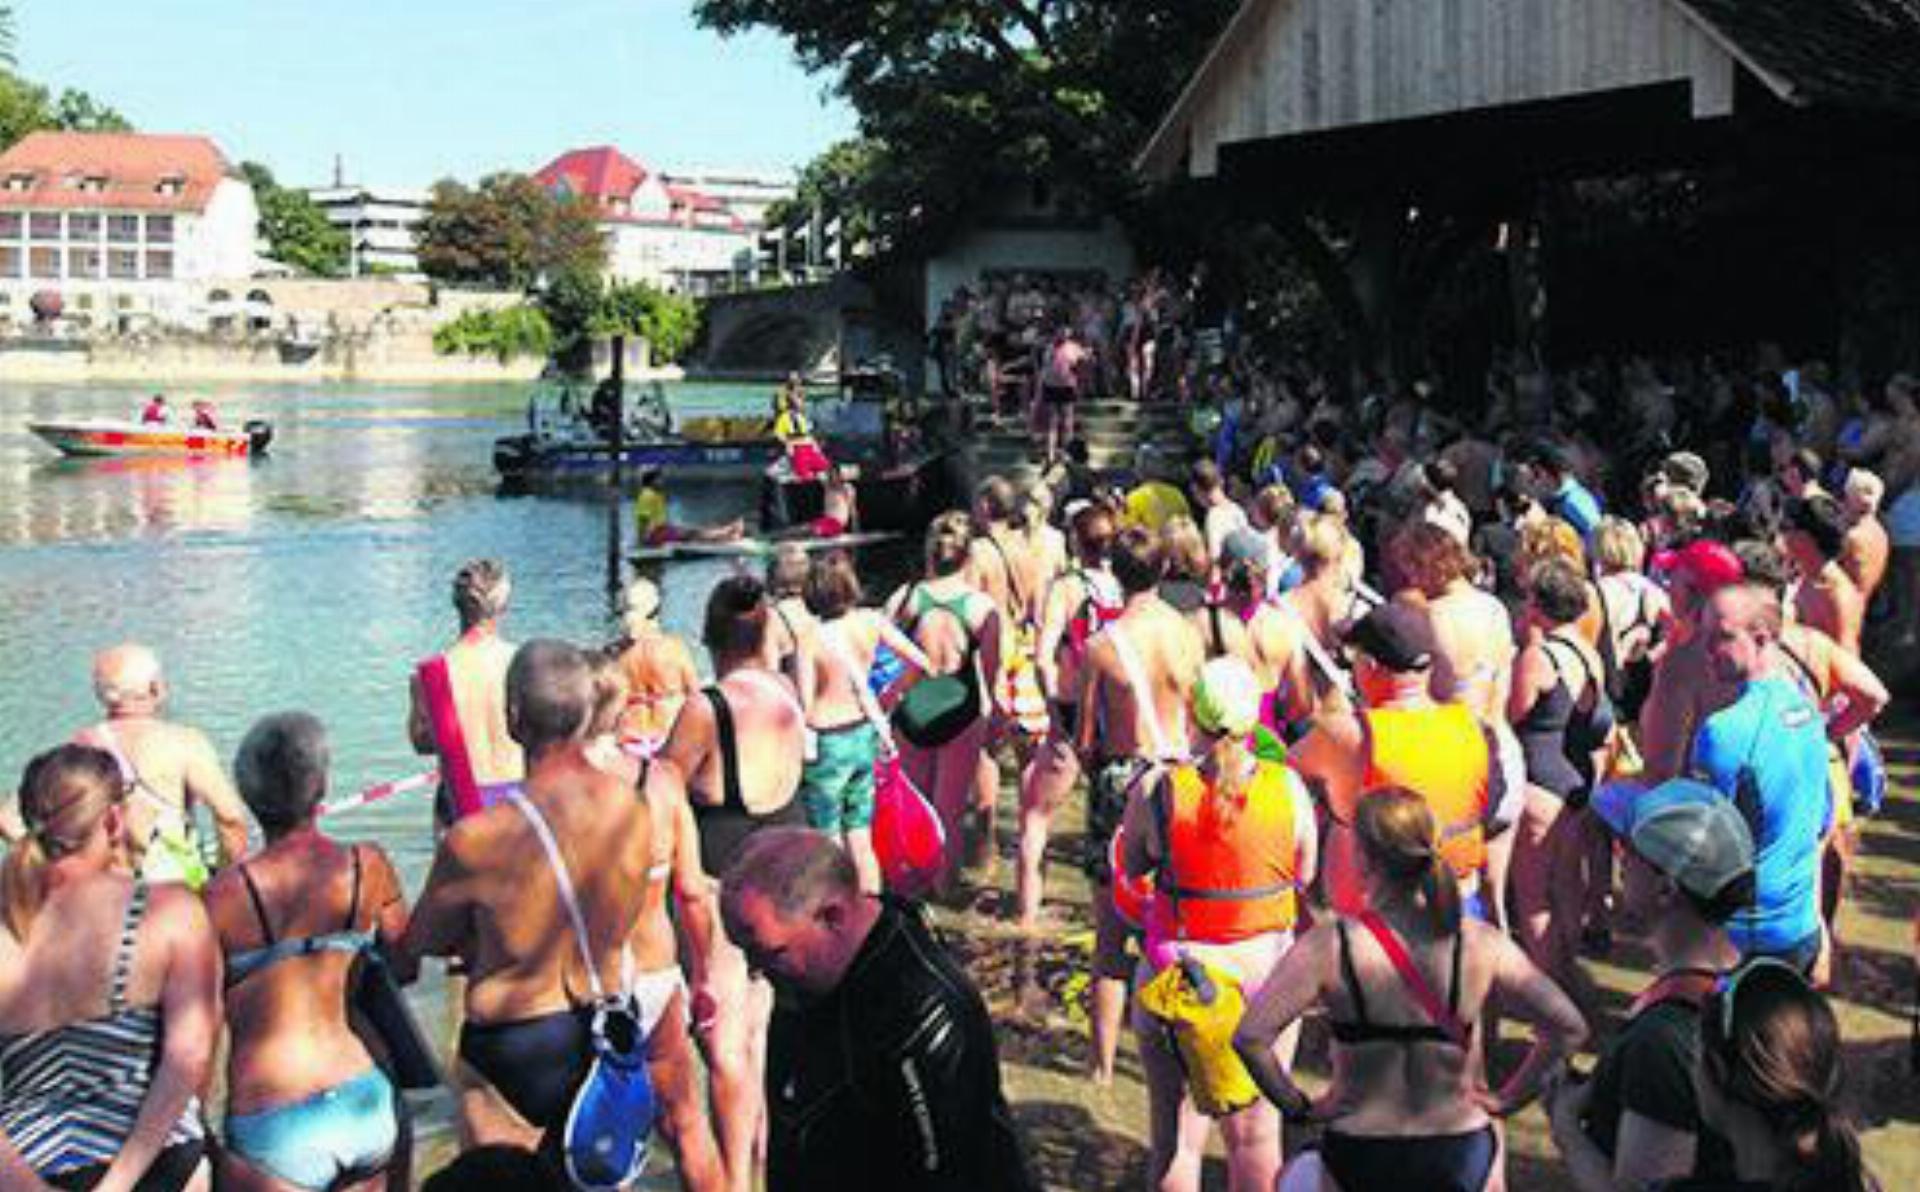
(1363, 1031)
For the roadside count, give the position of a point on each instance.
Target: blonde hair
(1618, 546)
(949, 543)
(1551, 538)
(609, 693)
(64, 794)
(1184, 548)
(1866, 489)
(1319, 541)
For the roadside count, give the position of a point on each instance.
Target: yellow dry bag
(1201, 1008)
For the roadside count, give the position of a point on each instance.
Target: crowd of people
(1380, 717)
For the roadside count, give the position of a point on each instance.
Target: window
(84, 302)
(123, 229)
(44, 226)
(160, 264)
(46, 262)
(123, 302)
(10, 225)
(11, 261)
(83, 227)
(20, 180)
(92, 184)
(83, 263)
(123, 265)
(159, 229)
(172, 184)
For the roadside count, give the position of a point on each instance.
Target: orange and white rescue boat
(113, 436)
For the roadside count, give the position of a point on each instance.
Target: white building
(381, 224)
(668, 235)
(120, 226)
(747, 194)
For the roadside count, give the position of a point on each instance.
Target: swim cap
(1226, 699)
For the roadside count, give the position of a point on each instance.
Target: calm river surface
(313, 578)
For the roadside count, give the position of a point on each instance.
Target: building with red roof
(661, 232)
(120, 224)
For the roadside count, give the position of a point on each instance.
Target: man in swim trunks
(494, 900)
(839, 504)
(171, 768)
(1813, 533)
(741, 747)
(477, 673)
(1136, 685)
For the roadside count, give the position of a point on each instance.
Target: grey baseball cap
(1684, 828)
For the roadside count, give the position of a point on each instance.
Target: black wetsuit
(892, 1081)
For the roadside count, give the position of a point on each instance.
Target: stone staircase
(1114, 430)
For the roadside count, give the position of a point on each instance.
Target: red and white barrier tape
(385, 790)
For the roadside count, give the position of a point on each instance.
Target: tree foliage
(955, 96)
(580, 306)
(27, 107)
(514, 331)
(509, 231)
(295, 229)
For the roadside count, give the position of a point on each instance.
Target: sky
(411, 91)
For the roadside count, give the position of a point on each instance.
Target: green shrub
(506, 333)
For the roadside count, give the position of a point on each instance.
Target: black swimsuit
(725, 826)
(1430, 1162)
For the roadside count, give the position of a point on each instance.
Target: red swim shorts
(828, 527)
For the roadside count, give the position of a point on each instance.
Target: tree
(76, 111)
(295, 228)
(28, 107)
(957, 96)
(580, 307)
(510, 232)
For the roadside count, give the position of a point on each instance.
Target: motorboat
(563, 438)
(116, 436)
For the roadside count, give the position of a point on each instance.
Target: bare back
(1473, 650)
(493, 898)
(1170, 654)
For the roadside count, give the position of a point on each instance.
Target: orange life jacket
(1441, 754)
(1228, 878)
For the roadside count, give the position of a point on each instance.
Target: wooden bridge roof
(1286, 68)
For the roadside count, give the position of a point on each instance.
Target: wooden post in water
(616, 572)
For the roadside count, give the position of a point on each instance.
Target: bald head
(127, 675)
(550, 694)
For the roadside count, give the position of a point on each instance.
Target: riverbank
(162, 362)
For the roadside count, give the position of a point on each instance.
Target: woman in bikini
(1404, 987)
(307, 1105)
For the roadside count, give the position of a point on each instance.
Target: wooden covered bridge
(1787, 132)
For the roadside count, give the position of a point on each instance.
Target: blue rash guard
(1774, 732)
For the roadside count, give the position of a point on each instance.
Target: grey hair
(281, 768)
(795, 869)
(550, 693)
(125, 673)
(481, 589)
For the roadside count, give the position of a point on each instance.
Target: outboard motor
(259, 434)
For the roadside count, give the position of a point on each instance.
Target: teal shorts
(837, 785)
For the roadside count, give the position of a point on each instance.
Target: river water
(313, 578)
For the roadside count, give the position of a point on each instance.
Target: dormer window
(91, 184)
(172, 184)
(20, 180)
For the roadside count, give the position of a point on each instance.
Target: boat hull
(527, 456)
(102, 438)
